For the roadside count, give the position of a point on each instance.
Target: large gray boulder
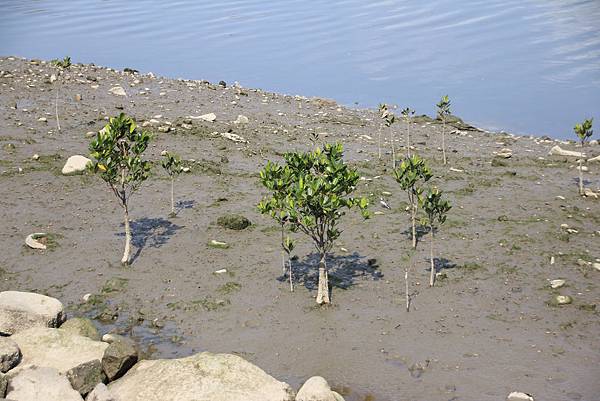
(56, 348)
(10, 354)
(317, 389)
(200, 377)
(119, 357)
(23, 310)
(82, 326)
(41, 383)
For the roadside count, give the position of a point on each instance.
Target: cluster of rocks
(44, 356)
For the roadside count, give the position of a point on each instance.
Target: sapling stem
(432, 274)
(56, 110)
(406, 289)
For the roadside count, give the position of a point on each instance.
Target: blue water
(525, 66)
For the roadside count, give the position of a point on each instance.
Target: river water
(524, 66)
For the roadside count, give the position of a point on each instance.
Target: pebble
(554, 284)
(221, 271)
(42, 119)
(117, 91)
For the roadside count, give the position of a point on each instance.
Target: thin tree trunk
(432, 275)
(408, 138)
(172, 196)
(414, 226)
(283, 268)
(56, 110)
(406, 289)
(323, 286)
(444, 141)
(581, 191)
(379, 144)
(393, 149)
(127, 251)
(291, 274)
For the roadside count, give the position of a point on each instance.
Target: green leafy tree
(311, 192)
(171, 162)
(117, 153)
(435, 208)
(411, 174)
(443, 111)
(584, 133)
(407, 114)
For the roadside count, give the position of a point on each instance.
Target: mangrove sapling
(435, 208)
(311, 191)
(443, 111)
(584, 133)
(117, 154)
(411, 174)
(171, 162)
(383, 113)
(389, 120)
(407, 113)
(60, 66)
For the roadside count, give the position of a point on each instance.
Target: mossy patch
(115, 284)
(229, 287)
(234, 222)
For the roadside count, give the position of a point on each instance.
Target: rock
(10, 354)
(83, 327)
(583, 168)
(554, 284)
(204, 376)
(22, 310)
(558, 151)
(3, 385)
(594, 159)
(56, 348)
(505, 153)
(590, 194)
(118, 358)
(85, 377)
(117, 91)
(32, 241)
(35, 157)
(220, 271)
(596, 266)
(100, 393)
(518, 396)
(317, 389)
(210, 117)
(41, 383)
(43, 119)
(75, 165)
(218, 244)
(233, 137)
(233, 222)
(241, 119)
(561, 300)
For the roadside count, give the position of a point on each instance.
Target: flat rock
(41, 383)
(241, 119)
(23, 310)
(100, 393)
(76, 164)
(558, 151)
(200, 377)
(317, 389)
(117, 91)
(10, 354)
(81, 326)
(518, 396)
(210, 117)
(56, 348)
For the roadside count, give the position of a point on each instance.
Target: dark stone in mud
(86, 376)
(233, 222)
(118, 358)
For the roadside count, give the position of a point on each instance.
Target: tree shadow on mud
(343, 270)
(151, 232)
(441, 264)
(184, 204)
(421, 230)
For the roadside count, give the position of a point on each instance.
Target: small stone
(10, 355)
(561, 300)
(518, 396)
(86, 297)
(583, 168)
(35, 157)
(233, 137)
(241, 119)
(52, 78)
(210, 117)
(186, 169)
(76, 164)
(218, 244)
(221, 271)
(118, 91)
(554, 284)
(596, 266)
(43, 119)
(552, 260)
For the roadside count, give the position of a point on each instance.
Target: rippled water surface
(526, 66)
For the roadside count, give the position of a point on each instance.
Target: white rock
(210, 117)
(233, 137)
(22, 310)
(100, 393)
(558, 151)
(241, 119)
(204, 376)
(41, 384)
(42, 119)
(10, 354)
(596, 266)
(518, 396)
(583, 168)
(55, 348)
(76, 164)
(594, 159)
(117, 91)
(35, 157)
(32, 241)
(52, 78)
(221, 271)
(317, 389)
(456, 170)
(557, 283)
(589, 193)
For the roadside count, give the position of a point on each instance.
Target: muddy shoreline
(485, 331)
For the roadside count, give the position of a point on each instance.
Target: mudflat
(489, 326)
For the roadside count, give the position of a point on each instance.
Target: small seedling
(413, 172)
(64, 63)
(389, 120)
(443, 110)
(407, 113)
(584, 133)
(172, 164)
(117, 153)
(435, 208)
(383, 113)
(310, 192)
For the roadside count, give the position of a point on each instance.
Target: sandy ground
(483, 331)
